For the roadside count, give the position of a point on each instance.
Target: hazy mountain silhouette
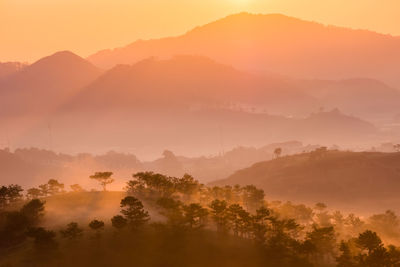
(369, 181)
(276, 43)
(190, 81)
(45, 83)
(187, 103)
(366, 98)
(8, 68)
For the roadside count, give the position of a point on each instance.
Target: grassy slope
(364, 181)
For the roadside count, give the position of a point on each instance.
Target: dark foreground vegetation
(168, 221)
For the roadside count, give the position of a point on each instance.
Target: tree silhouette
(97, 226)
(44, 188)
(345, 259)
(44, 239)
(12, 228)
(239, 218)
(119, 222)
(33, 211)
(173, 210)
(397, 147)
(278, 152)
(72, 231)
(33, 193)
(9, 195)
(369, 241)
(55, 187)
(76, 188)
(219, 214)
(187, 186)
(104, 178)
(252, 197)
(195, 215)
(133, 210)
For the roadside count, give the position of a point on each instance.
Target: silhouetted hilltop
(276, 43)
(367, 180)
(45, 83)
(8, 68)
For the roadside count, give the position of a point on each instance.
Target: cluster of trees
(54, 187)
(174, 215)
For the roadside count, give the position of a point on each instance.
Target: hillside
(352, 181)
(52, 78)
(278, 44)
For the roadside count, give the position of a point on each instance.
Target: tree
(239, 219)
(33, 193)
(173, 210)
(33, 211)
(323, 218)
(324, 241)
(72, 231)
(320, 206)
(397, 147)
(104, 178)
(195, 215)
(44, 188)
(119, 222)
(55, 187)
(345, 259)
(76, 188)
(277, 152)
(369, 241)
(44, 239)
(97, 226)
(187, 186)
(259, 225)
(151, 186)
(9, 195)
(219, 213)
(386, 224)
(252, 197)
(133, 210)
(13, 226)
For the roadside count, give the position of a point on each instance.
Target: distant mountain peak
(61, 57)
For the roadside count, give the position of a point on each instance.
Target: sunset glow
(32, 29)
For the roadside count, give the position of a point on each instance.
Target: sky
(31, 29)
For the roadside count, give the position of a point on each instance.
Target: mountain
(45, 83)
(189, 104)
(365, 98)
(194, 80)
(8, 68)
(278, 44)
(191, 81)
(366, 180)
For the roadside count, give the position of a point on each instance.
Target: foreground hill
(276, 43)
(348, 180)
(44, 84)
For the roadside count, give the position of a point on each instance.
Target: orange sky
(30, 29)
